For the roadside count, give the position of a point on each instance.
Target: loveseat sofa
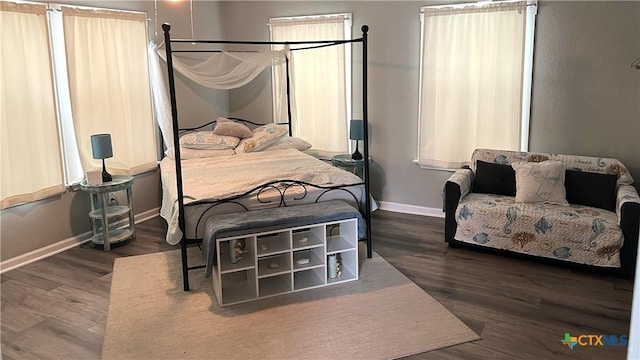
(563, 208)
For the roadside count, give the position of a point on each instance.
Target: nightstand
(103, 214)
(345, 161)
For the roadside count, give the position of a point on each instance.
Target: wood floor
(56, 308)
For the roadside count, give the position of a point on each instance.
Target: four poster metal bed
(288, 192)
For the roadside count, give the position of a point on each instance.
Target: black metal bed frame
(280, 185)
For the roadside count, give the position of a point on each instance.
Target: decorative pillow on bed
(540, 182)
(207, 140)
(228, 127)
(263, 137)
(289, 142)
(186, 153)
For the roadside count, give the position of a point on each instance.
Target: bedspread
(216, 178)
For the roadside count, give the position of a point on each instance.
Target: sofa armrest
(626, 194)
(456, 187)
(628, 210)
(464, 179)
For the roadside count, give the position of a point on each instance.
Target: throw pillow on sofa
(493, 178)
(591, 189)
(540, 182)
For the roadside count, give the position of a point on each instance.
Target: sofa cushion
(540, 182)
(493, 178)
(591, 189)
(577, 233)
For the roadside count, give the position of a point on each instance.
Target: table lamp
(356, 133)
(101, 148)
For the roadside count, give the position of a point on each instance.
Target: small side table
(345, 161)
(103, 214)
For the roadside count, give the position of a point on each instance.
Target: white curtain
(320, 93)
(471, 83)
(31, 165)
(74, 173)
(161, 102)
(223, 70)
(109, 86)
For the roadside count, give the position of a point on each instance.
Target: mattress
(207, 180)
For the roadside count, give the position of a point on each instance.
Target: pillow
(207, 140)
(186, 153)
(228, 127)
(493, 178)
(263, 137)
(591, 189)
(541, 182)
(289, 142)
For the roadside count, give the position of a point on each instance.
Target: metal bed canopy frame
(185, 242)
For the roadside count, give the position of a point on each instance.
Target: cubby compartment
(348, 267)
(273, 243)
(342, 236)
(308, 237)
(274, 265)
(274, 285)
(238, 286)
(310, 278)
(240, 249)
(309, 258)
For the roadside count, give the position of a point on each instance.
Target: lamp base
(356, 155)
(106, 177)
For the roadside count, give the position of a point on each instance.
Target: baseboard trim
(411, 209)
(63, 245)
(146, 215)
(44, 252)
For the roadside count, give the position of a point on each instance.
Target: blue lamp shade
(101, 146)
(101, 149)
(356, 130)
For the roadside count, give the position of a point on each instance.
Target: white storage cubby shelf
(282, 261)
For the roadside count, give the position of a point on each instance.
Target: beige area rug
(382, 315)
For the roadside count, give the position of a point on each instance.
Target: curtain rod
(328, 42)
(477, 4)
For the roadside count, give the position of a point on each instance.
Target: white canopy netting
(220, 70)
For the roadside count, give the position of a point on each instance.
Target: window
(86, 72)
(320, 79)
(109, 89)
(475, 80)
